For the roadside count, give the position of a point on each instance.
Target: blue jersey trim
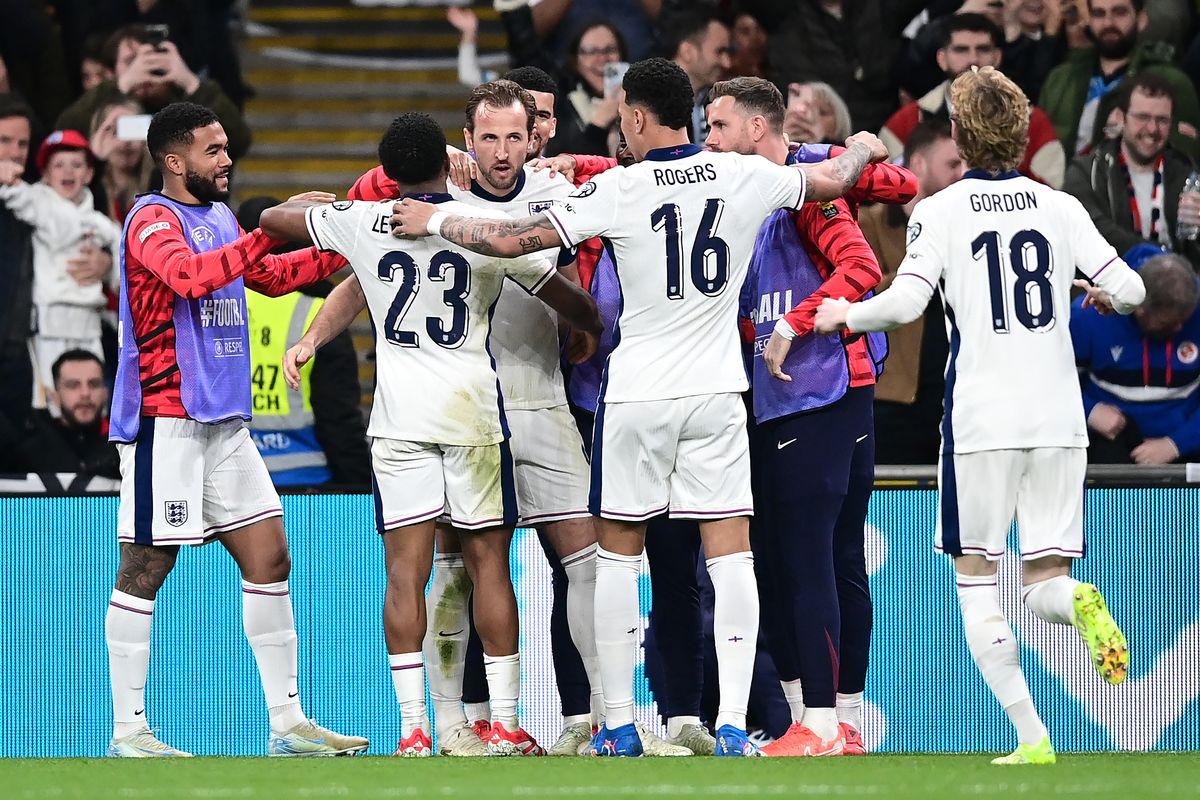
(673, 153)
(948, 484)
(143, 483)
(508, 486)
(434, 197)
(595, 492)
(984, 175)
(479, 191)
(378, 501)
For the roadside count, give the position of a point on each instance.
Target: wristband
(434, 226)
(785, 330)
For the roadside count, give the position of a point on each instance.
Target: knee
(272, 567)
(144, 569)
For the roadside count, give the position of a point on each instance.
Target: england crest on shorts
(176, 512)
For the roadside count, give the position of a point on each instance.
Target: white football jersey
(680, 227)
(1003, 253)
(524, 329)
(430, 301)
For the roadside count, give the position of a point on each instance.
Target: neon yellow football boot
(1105, 642)
(1040, 753)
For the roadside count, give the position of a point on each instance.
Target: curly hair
(176, 125)
(413, 149)
(662, 88)
(991, 118)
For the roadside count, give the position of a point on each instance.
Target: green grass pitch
(889, 777)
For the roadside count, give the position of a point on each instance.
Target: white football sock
(1052, 600)
(675, 725)
(127, 631)
(994, 648)
(617, 620)
(479, 711)
(408, 679)
(504, 687)
(271, 631)
(735, 629)
(581, 618)
(821, 721)
(445, 643)
(575, 719)
(793, 692)
(849, 709)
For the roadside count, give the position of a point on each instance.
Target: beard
(204, 189)
(1120, 47)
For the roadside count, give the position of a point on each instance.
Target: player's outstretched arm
(579, 309)
(492, 237)
(286, 221)
(829, 180)
(344, 303)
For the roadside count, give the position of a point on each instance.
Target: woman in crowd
(123, 166)
(586, 114)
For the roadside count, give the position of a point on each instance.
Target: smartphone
(614, 75)
(133, 127)
(157, 34)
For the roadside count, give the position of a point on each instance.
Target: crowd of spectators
(1116, 124)
(75, 77)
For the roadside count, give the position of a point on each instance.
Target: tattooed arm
(492, 237)
(829, 180)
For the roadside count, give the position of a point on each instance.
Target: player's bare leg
(260, 550)
(735, 626)
(995, 652)
(494, 606)
(140, 574)
(445, 646)
(1053, 595)
(408, 555)
(574, 541)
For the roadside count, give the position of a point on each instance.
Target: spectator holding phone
(148, 67)
(587, 107)
(123, 166)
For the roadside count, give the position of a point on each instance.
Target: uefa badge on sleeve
(176, 512)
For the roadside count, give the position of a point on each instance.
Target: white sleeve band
(434, 226)
(784, 330)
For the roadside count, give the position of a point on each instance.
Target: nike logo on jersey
(1116, 352)
(859, 439)
(781, 445)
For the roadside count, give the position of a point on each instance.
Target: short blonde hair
(991, 118)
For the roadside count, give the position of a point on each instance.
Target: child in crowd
(68, 292)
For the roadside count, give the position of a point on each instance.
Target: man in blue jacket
(1140, 373)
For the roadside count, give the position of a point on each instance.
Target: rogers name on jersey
(223, 312)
